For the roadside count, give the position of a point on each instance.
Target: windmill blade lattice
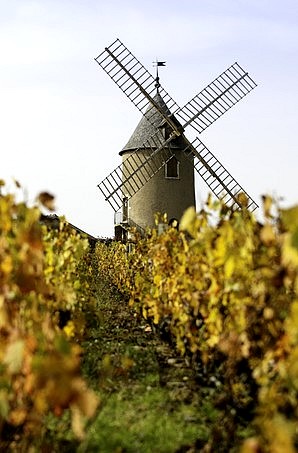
(217, 177)
(135, 81)
(132, 174)
(216, 99)
(200, 112)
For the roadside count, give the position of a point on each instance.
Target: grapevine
(40, 366)
(226, 291)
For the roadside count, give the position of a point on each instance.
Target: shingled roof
(146, 129)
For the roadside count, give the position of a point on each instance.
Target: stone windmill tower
(171, 190)
(159, 162)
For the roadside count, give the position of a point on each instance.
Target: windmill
(159, 162)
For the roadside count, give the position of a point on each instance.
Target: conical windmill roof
(146, 129)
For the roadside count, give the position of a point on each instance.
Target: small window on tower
(172, 168)
(165, 132)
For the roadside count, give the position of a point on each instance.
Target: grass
(151, 400)
(142, 422)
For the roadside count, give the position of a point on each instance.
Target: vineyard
(195, 330)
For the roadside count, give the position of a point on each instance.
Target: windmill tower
(171, 190)
(158, 162)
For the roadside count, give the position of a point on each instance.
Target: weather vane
(156, 64)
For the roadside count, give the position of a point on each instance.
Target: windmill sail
(216, 99)
(217, 177)
(200, 112)
(135, 171)
(134, 80)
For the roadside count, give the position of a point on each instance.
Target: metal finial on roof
(156, 64)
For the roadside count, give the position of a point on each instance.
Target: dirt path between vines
(150, 398)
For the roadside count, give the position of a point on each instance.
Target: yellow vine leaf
(267, 205)
(289, 253)
(289, 218)
(157, 279)
(69, 329)
(267, 234)
(6, 264)
(18, 416)
(281, 435)
(14, 356)
(220, 251)
(229, 266)
(188, 219)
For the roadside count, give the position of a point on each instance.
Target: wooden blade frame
(217, 177)
(216, 99)
(135, 81)
(133, 173)
(200, 112)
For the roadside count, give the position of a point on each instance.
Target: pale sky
(63, 120)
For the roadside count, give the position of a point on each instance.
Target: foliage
(113, 265)
(67, 273)
(40, 367)
(226, 291)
